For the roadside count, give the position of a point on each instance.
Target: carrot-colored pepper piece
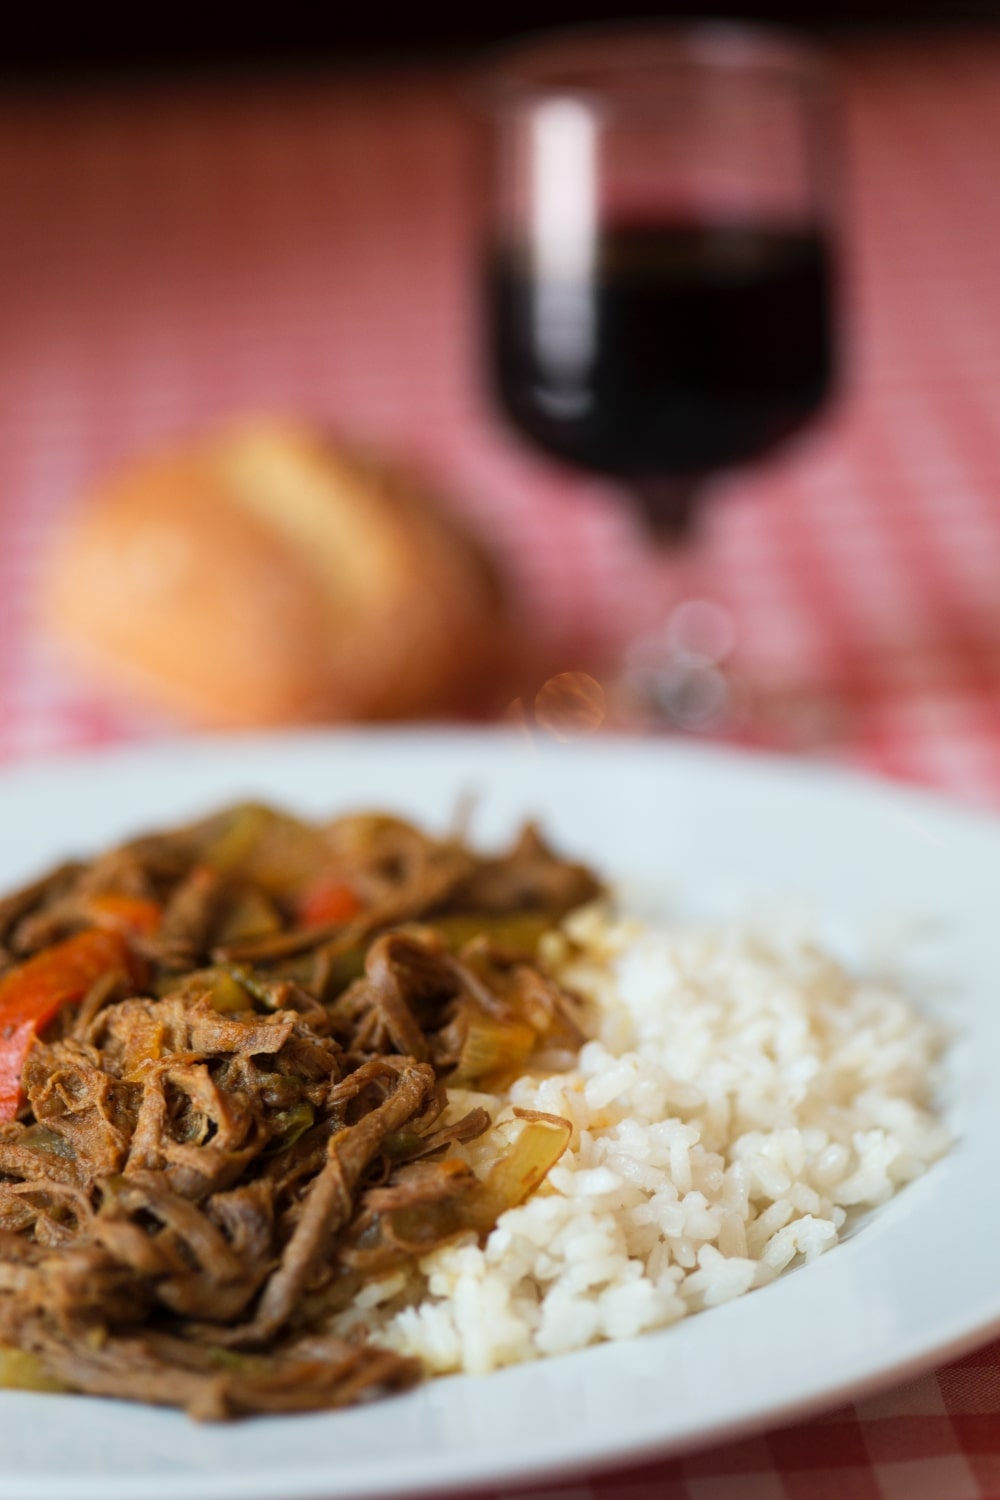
(37, 990)
(14, 1048)
(122, 913)
(328, 901)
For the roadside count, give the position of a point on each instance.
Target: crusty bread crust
(266, 575)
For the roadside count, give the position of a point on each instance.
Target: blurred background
(202, 222)
(351, 35)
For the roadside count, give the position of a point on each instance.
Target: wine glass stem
(676, 667)
(668, 506)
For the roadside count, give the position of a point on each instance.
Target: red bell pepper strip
(33, 993)
(328, 901)
(129, 914)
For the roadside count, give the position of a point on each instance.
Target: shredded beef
(209, 1162)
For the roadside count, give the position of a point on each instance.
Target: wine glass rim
(593, 63)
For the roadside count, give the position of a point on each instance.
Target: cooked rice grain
(744, 1096)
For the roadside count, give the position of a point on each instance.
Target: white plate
(920, 1281)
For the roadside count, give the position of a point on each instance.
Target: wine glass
(658, 269)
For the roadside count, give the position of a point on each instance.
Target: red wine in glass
(689, 347)
(658, 302)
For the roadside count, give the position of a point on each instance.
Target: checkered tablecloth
(169, 257)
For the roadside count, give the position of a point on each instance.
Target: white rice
(744, 1097)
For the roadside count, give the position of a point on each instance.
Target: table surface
(170, 257)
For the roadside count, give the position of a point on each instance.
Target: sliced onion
(491, 1049)
(20, 1371)
(518, 1174)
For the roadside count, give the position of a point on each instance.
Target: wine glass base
(684, 676)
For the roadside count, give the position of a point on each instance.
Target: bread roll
(267, 576)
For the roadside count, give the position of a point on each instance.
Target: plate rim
(972, 813)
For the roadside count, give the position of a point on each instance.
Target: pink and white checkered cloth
(168, 258)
